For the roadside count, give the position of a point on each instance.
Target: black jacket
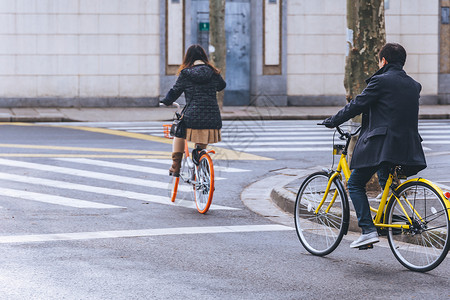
(199, 84)
(389, 133)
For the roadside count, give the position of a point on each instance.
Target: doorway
(237, 30)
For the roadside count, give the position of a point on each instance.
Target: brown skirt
(203, 136)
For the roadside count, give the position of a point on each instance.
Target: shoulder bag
(178, 128)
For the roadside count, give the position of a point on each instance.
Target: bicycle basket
(166, 129)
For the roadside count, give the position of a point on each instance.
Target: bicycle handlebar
(345, 134)
(173, 104)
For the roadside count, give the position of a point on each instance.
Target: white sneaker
(365, 239)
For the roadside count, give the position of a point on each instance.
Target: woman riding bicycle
(200, 81)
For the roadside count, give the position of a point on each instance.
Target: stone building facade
(72, 53)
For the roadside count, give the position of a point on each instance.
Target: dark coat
(199, 84)
(389, 133)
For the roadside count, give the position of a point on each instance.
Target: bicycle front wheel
(204, 186)
(321, 232)
(185, 173)
(424, 245)
(173, 191)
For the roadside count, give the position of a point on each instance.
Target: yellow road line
(43, 155)
(17, 124)
(221, 153)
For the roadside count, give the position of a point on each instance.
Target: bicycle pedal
(365, 247)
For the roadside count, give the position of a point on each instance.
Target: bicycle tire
(426, 243)
(320, 233)
(204, 187)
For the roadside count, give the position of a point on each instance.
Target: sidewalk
(142, 114)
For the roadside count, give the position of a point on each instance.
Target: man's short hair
(393, 53)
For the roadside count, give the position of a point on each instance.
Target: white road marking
(52, 199)
(90, 174)
(274, 138)
(294, 149)
(106, 191)
(442, 186)
(216, 168)
(275, 149)
(231, 134)
(309, 138)
(280, 142)
(436, 142)
(434, 131)
(140, 233)
(104, 163)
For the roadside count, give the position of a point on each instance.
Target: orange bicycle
(200, 176)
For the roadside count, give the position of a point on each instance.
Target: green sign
(203, 26)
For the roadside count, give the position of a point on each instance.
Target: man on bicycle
(389, 132)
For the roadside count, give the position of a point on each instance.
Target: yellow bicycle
(414, 215)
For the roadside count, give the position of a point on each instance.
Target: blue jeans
(357, 190)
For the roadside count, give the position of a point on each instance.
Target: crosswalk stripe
(294, 149)
(106, 191)
(283, 143)
(275, 138)
(308, 138)
(280, 143)
(275, 149)
(229, 134)
(434, 131)
(140, 233)
(52, 199)
(431, 126)
(90, 174)
(103, 163)
(436, 142)
(216, 168)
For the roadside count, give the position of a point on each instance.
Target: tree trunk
(217, 40)
(366, 35)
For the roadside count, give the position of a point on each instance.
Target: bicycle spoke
(424, 245)
(320, 233)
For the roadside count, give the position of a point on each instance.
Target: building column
(444, 52)
(268, 83)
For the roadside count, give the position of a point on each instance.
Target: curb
(285, 200)
(164, 115)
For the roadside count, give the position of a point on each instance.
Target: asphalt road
(85, 215)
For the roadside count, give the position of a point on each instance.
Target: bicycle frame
(344, 168)
(191, 164)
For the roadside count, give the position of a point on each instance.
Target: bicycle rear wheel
(320, 233)
(204, 187)
(425, 244)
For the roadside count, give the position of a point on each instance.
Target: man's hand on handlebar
(328, 123)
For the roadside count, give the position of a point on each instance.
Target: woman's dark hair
(193, 53)
(393, 53)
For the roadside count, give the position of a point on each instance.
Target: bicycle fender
(438, 189)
